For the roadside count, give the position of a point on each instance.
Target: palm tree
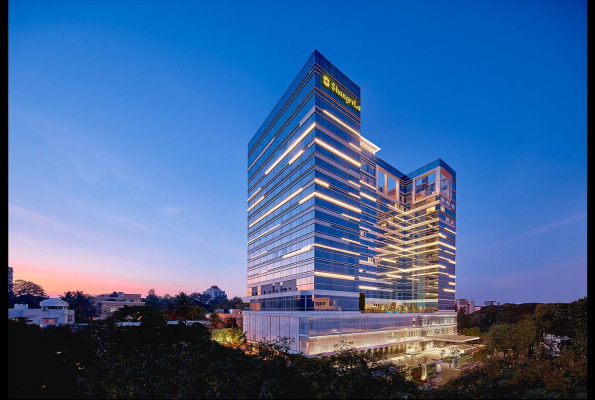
(169, 306)
(183, 307)
(82, 304)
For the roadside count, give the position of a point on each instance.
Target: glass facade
(329, 220)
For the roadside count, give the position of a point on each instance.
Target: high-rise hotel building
(341, 243)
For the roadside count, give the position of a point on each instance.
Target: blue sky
(129, 124)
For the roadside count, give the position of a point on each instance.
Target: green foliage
(215, 320)
(147, 315)
(162, 365)
(156, 360)
(226, 305)
(82, 304)
(499, 377)
(233, 337)
(44, 363)
(517, 363)
(475, 331)
(488, 316)
(25, 292)
(152, 300)
(537, 332)
(182, 307)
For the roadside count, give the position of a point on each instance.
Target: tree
(82, 304)
(499, 339)
(504, 378)
(152, 318)
(29, 293)
(472, 332)
(226, 305)
(201, 299)
(153, 300)
(215, 320)
(230, 322)
(184, 309)
(232, 337)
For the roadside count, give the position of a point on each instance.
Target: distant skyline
(129, 124)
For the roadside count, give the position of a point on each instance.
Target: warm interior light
(262, 234)
(334, 248)
(341, 122)
(254, 205)
(349, 216)
(367, 184)
(330, 199)
(259, 254)
(331, 275)
(254, 194)
(300, 251)
(323, 183)
(367, 196)
(368, 287)
(337, 152)
(290, 148)
(291, 196)
(299, 153)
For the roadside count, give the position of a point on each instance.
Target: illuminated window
(444, 184)
(387, 184)
(425, 186)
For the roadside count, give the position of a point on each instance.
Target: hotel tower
(341, 243)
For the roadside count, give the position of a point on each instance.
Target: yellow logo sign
(327, 82)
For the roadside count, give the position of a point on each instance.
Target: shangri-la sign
(327, 82)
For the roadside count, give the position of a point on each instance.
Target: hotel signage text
(327, 82)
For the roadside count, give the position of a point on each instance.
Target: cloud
(551, 226)
(49, 223)
(170, 210)
(72, 146)
(527, 234)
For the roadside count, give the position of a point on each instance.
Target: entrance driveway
(434, 355)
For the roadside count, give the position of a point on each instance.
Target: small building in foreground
(52, 312)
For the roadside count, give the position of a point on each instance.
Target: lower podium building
(342, 246)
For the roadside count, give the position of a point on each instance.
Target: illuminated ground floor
(319, 333)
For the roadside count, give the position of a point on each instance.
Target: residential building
(491, 303)
(215, 293)
(111, 302)
(468, 306)
(340, 242)
(53, 311)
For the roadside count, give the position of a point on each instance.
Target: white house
(52, 312)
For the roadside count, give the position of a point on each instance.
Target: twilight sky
(129, 124)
